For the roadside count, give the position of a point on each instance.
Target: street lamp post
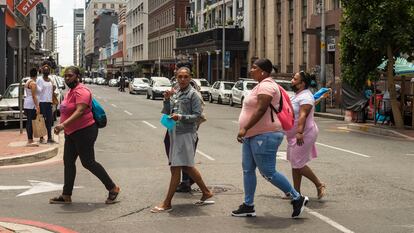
(223, 68)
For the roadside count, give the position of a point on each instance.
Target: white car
(221, 91)
(241, 89)
(157, 87)
(138, 85)
(9, 105)
(286, 85)
(205, 87)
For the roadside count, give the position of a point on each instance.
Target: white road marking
(235, 122)
(36, 187)
(113, 105)
(410, 154)
(205, 155)
(98, 97)
(149, 124)
(128, 112)
(329, 221)
(344, 150)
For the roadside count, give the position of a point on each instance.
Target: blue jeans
(260, 151)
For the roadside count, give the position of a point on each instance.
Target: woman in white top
(31, 105)
(46, 89)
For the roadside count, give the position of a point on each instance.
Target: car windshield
(286, 86)
(250, 86)
(139, 81)
(162, 83)
(228, 86)
(204, 83)
(12, 92)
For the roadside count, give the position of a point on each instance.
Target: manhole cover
(221, 189)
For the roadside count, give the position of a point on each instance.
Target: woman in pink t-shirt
(80, 135)
(261, 138)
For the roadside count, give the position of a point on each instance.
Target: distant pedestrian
(80, 135)
(122, 84)
(261, 138)
(185, 109)
(302, 137)
(31, 105)
(46, 89)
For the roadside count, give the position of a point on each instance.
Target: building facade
(165, 17)
(78, 29)
(92, 9)
(202, 39)
(137, 35)
(80, 48)
(287, 32)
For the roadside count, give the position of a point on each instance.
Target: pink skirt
(299, 156)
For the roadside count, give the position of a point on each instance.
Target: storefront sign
(26, 6)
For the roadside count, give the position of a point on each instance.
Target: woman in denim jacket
(185, 108)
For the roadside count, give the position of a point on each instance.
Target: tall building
(80, 48)
(78, 28)
(287, 32)
(137, 34)
(93, 7)
(165, 16)
(201, 41)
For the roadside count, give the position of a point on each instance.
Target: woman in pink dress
(302, 137)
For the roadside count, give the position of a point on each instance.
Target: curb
(378, 131)
(30, 158)
(329, 116)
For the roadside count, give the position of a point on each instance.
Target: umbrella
(401, 66)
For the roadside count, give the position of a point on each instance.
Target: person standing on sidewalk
(302, 137)
(261, 138)
(184, 107)
(31, 105)
(80, 135)
(46, 89)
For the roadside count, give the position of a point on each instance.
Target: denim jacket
(188, 105)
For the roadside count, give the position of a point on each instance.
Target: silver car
(9, 104)
(139, 86)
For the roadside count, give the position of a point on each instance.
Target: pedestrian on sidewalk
(80, 135)
(46, 89)
(31, 105)
(301, 148)
(185, 109)
(261, 138)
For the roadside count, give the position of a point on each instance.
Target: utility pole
(323, 49)
(223, 68)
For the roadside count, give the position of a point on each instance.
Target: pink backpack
(285, 112)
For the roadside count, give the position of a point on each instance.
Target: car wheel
(153, 96)
(231, 102)
(148, 96)
(210, 98)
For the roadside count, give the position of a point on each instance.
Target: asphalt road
(370, 180)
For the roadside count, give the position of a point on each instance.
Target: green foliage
(137, 69)
(368, 27)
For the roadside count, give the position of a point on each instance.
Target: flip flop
(158, 209)
(205, 202)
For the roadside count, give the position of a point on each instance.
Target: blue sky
(62, 12)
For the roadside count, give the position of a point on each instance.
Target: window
(95, 5)
(291, 49)
(304, 49)
(336, 4)
(104, 5)
(304, 8)
(279, 10)
(112, 6)
(291, 6)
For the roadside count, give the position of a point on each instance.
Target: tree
(371, 31)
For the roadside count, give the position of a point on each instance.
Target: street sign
(26, 6)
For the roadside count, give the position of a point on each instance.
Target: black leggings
(81, 143)
(31, 115)
(46, 111)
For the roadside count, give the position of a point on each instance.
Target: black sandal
(60, 200)
(112, 196)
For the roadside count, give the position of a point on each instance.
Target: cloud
(62, 12)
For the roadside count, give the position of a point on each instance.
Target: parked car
(87, 80)
(113, 82)
(94, 80)
(9, 105)
(286, 85)
(138, 85)
(240, 90)
(221, 91)
(205, 87)
(158, 85)
(100, 81)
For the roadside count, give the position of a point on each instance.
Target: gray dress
(184, 135)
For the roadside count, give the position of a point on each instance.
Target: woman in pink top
(261, 138)
(302, 137)
(80, 135)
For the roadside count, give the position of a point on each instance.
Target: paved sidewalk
(10, 225)
(13, 149)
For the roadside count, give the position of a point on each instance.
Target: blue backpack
(98, 114)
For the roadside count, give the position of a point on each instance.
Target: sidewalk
(13, 149)
(10, 225)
